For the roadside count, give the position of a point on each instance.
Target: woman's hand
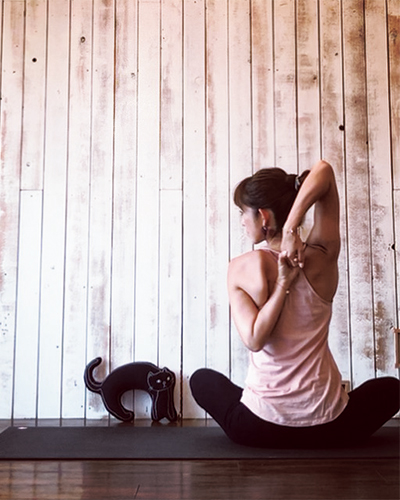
(287, 272)
(293, 245)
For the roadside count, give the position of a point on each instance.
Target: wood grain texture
(217, 185)
(202, 480)
(28, 305)
(124, 186)
(194, 201)
(54, 212)
(78, 209)
(381, 203)
(240, 149)
(358, 193)
(262, 79)
(148, 190)
(34, 94)
(285, 76)
(332, 143)
(10, 157)
(308, 84)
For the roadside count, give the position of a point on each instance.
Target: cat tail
(90, 381)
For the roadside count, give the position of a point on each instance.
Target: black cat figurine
(159, 383)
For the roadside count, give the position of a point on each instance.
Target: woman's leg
(370, 406)
(216, 394)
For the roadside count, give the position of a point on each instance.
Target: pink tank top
(294, 380)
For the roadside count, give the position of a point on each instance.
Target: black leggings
(369, 407)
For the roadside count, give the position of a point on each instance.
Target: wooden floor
(347, 479)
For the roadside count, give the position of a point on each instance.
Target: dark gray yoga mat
(165, 443)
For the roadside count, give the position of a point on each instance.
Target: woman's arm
(256, 308)
(318, 189)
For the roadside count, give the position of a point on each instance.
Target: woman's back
(296, 365)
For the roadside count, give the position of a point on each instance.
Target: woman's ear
(265, 216)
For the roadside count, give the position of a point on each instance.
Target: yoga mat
(165, 443)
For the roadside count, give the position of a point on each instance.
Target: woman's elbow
(254, 345)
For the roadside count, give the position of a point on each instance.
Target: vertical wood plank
(194, 202)
(285, 85)
(393, 16)
(262, 65)
(171, 158)
(332, 144)
(240, 149)
(101, 183)
(124, 193)
(217, 171)
(28, 305)
(170, 289)
(396, 205)
(308, 81)
(171, 95)
(34, 94)
(358, 191)
(240, 111)
(10, 151)
(54, 198)
(147, 251)
(77, 222)
(381, 186)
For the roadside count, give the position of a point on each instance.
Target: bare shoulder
(253, 272)
(249, 262)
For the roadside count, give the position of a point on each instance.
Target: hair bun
(300, 179)
(291, 180)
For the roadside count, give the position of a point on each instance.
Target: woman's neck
(271, 244)
(275, 243)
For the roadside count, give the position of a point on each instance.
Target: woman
(281, 301)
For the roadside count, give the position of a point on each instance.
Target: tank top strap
(273, 253)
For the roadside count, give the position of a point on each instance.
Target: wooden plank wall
(125, 125)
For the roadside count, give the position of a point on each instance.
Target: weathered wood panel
(358, 193)
(217, 185)
(393, 31)
(124, 189)
(308, 84)
(54, 211)
(240, 147)
(125, 126)
(101, 182)
(194, 201)
(34, 94)
(332, 144)
(28, 305)
(77, 215)
(10, 150)
(285, 95)
(262, 79)
(381, 202)
(148, 186)
(171, 159)
(170, 294)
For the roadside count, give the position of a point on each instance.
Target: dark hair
(270, 188)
